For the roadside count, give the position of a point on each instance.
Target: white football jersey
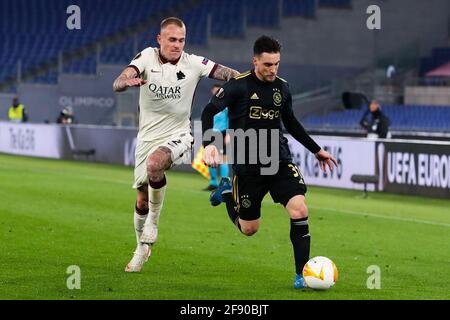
(165, 101)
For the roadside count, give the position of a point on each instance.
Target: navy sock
(301, 242)
(232, 213)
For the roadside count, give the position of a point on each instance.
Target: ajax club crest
(277, 98)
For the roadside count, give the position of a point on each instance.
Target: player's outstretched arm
(211, 154)
(298, 132)
(128, 78)
(325, 159)
(223, 73)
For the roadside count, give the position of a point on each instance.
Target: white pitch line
(374, 215)
(357, 213)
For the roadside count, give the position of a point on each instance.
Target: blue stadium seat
(37, 30)
(403, 117)
(305, 8)
(335, 3)
(227, 18)
(86, 65)
(267, 15)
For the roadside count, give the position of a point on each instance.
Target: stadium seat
(265, 16)
(35, 35)
(403, 117)
(335, 3)
(305, 8)
(228, 17)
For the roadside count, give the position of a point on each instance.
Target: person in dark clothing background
(375, 121)
(66, 116)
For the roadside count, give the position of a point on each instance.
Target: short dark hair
(172, 20)
(266, 44)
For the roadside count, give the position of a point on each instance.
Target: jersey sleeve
(203, 66)
(227, 96)
(140, 61)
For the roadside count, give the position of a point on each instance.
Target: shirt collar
(257, 79)
(164, 60)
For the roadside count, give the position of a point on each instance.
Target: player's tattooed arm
(128, 78)
(224, 73)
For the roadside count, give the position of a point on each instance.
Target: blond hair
(172, 20)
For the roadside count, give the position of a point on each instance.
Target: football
(320, 273)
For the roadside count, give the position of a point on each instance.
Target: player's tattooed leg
(158, 162)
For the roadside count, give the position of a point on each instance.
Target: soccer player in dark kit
(259, 100)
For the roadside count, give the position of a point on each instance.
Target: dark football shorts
(249, 190)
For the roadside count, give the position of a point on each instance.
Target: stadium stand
(335, 3)
(196, 21)
(266, 16)
(48, 40)
(217, 18)
(403, 117)
(439, 56)
(86, 65)
(35, 36)
(119, 53)
(228, 17)
(294, 8)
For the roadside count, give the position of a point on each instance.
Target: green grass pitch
(54, 214)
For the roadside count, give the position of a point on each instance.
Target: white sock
(155, 203)
(139, 221)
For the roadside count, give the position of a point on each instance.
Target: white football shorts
(180, 145)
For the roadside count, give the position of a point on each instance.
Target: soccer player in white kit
(167, 77)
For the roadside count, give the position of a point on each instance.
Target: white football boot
(150, 232)
(140, 257)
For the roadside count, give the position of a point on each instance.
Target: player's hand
(211, 156)
(227, 139)
(136, 82)
(325, 159)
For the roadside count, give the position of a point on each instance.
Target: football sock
(234, 216)
(140, 215)
(301, 242)
(224, 170)
(213, 179)
(156, 192)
